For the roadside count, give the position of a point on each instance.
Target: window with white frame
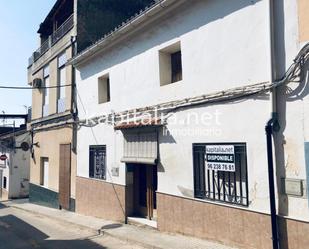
(104, 89)
(61, 82)
(44, 172)
(170, 62)
(46, 91)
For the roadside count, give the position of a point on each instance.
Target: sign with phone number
(220, 158)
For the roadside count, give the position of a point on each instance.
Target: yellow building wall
(303, 16)
(37, 94)
(48, 146)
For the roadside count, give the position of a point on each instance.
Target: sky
(19, 22)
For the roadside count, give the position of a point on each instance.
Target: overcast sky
(19, 22)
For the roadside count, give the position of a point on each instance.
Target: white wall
(215, 38)
(224, 44)
(20, 169)
(5, 170)
(17, 169)
(293, 115)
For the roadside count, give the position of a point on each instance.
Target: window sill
(172, 83)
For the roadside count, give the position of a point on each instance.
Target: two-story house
(69, 27)
(173, 106)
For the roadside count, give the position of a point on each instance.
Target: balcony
(52, 39)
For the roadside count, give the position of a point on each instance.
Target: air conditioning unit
(37, 83)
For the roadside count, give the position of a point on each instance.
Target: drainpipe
(271, 126)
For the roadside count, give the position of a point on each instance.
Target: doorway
(145, 185)
(65, 176)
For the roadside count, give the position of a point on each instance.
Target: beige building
(53, 163)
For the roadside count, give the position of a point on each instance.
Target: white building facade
(173, 107)
(15, 170)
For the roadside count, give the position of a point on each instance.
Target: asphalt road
(24, 230)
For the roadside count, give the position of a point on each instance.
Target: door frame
(140, 210)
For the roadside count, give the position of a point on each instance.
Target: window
(4, 182)
(103, 89)
(44, 172)
(176, 66)
(97, 162)
(217, 181)
(61, 82)
(45, 91)
(170, 60)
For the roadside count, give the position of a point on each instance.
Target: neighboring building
(184, 60)
(70, 26)
(15, 169)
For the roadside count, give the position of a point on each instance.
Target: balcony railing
(52, 39)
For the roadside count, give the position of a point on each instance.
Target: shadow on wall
(16, 233)
(204, 13)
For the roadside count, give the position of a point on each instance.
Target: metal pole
(272, 196)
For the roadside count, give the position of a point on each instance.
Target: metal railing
(218, 185)
(62, 30)
(52, 39)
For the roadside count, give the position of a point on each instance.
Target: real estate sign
(220, 158)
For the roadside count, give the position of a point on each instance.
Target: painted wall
(5, 168)
(303, 8)
(224, 44)
(17, 169)
(206, 30)
(48, 146)
(37, 94)
(20, 169)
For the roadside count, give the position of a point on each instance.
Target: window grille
(97, 162)
(220, 185)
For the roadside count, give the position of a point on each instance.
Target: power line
(31, 88)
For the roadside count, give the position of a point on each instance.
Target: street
(20, 229)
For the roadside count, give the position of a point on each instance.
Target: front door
(65, 176)
(145, 186)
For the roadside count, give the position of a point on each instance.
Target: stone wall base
(46, 197)
(227, 225)
(100, 199)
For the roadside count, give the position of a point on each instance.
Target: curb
(97, 231)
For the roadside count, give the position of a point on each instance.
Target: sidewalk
(147, 238)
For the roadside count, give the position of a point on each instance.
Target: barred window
(217, 180)
(97, 162)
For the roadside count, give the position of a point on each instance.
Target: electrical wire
(31, 88)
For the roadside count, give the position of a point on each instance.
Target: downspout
(74, 110)
(271, 126)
